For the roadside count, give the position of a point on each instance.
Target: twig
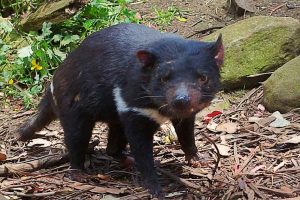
(247, 161)
(79, 192)
(134, 196)
(177, 179)
(277, 8)
(247, 97)
(218, 153)
(204, 31)
(19, 115)
(277, 191)
(16, 186)
(256, 190)
(20, 194)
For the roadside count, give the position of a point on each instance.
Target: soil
(259, 164)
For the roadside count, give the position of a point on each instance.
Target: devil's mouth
(178, 113)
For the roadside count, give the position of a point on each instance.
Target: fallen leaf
(103, 177)
(224, 149)
(181, 19)
(255, 169)
(170, 132)
(295, 126)
(138, 15)
(279, 121)
(109, 197)
(293, 140)
(39, 142)
(2, 156)
(228, 127)
(254, 119)
(47, 133)
(261, 107)
(279, 166)
(212, 126)
(250, 193)
(152, 26)
(266, 121)
(96, 189)
(174, 194)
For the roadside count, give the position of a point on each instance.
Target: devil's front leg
(185, 132)
(139, 131)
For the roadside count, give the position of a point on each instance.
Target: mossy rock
(257, 45)
(282, 89)
(50, 11)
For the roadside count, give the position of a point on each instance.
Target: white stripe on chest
(147, 112)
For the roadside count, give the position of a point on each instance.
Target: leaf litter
(257, 160)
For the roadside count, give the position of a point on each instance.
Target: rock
(282, 89)
(239, 7)
(257, 45)
(51, 11)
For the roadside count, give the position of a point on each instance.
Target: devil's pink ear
(219, 51)
(146, 58)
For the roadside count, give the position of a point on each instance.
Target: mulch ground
(257, 161)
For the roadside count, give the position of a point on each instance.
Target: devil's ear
(219, 51)
(146, 58)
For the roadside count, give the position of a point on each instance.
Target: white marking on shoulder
(51, 87)
(120, 103)
(52, 92)
(147, 112)
(152, 114)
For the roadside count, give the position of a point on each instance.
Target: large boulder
(282, 89)
(255, 46)
(51, 11)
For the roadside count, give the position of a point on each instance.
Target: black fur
(164, 72)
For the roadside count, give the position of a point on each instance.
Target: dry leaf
(181, 19)
(279, 121)
(228, 127)
(2, 156)
(103, 177)
(138, 15)
(279, 166)
(96, 189)
(266, 121)
(174, 194)
(224, 149)
(254, 119)
(255, 169)
(170, 132)
(261, 107)
(293, 140)
(212, 126)
(39, 142)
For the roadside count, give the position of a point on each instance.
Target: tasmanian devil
(133, 78)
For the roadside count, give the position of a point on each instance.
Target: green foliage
(27, 60)
(165, 17)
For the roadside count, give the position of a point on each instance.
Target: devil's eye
(203, 78)
(165, 77)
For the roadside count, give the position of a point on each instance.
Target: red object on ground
(211, 115)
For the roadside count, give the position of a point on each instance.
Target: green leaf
(57, 37)
(68, 39)
(46, 29)
(59, 53)
(5, 25)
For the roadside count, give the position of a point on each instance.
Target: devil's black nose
(181, 102)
